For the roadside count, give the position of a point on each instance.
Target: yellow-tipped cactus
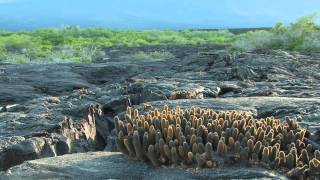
(231, 143)
(129, 111)
(117, 123)
(290, 163)
(221, 148)
(314, 165)
(129, 147)
(209, 151)
(237, 147)
(181, 152)
(152, 156)
(200, 158)
(170, 132)
(196, 136)
(195, 148)
(277, 163)
(294, 152)
(261, 136)
(265, 155)
(137, 145)
(185, 146)
(162, 144)
(128, 118)
(235, 133)
(282, 157)
(317, 154)
(135, 113)
(174, 156)
(166, 109)
(257, 147)
(291, 136)
(273, 154)
(255, 157)
(190, 157)
(309, 148)
(146, 125)
(250, 145)
(304, 157)
(129, 128)
(270, 135)
(145, 142)
(215, 140)
(201, 148)
(193, 140)
(244, 154)
(120, 143)
(167, 151)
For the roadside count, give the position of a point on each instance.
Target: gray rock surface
(67, 136)
(275, 73)
(106, 165)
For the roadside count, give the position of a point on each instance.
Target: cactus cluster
(205, 138)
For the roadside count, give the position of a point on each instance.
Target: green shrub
(18, 58)
(300, 35)
(74, 44)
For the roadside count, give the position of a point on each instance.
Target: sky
(152, 14)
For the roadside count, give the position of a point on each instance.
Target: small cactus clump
(205, 138)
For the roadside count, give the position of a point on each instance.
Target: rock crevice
(68, 137)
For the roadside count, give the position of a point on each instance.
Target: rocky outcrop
(67, 137)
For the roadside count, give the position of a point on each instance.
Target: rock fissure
(68, 137)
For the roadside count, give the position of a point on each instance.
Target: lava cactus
(205, 138)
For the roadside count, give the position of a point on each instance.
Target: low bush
(74, 44)
(79, 45)
(302, 35)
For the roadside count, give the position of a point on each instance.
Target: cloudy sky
(152, 14)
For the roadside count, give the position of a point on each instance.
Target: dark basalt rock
(107, 165)
(68, 137)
